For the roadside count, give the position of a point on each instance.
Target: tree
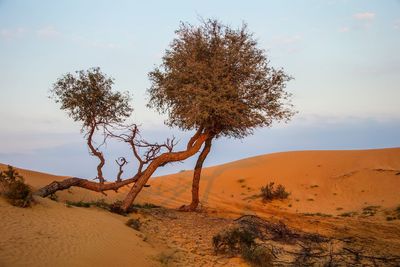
(215, 79)
(88, 98)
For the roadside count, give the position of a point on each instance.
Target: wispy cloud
(364, 16)
(10, 34)
(48, 32)
(344, 29)
(289, 43)
(85, 42)
(396, 24)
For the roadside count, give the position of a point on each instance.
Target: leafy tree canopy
(216, 78)
(88, 97)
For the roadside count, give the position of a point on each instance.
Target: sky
(344, 57)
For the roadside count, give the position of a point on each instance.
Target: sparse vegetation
(318, 214)
(241, 181)
(314, 186)
(370, 210)
(269, 192)
(145, 206)
(166, 258)
(80, 204)
(241, 241)
(390, 218)
(134, 223)
(258, 255)
(348, 214)
(113, 207)
(233, 240)
(54, 197)
(14, 189)
(394, 215)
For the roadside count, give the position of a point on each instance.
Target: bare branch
(121, 161)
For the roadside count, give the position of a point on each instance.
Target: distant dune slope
(319, 181)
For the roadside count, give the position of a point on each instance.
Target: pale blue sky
(344, 56)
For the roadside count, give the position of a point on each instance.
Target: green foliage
(134, 223)
(88, 97)
(216, 78)
(13, 187)
(269, 192)
(113, 207)
(80, 204)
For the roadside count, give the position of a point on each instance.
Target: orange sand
(329, 182)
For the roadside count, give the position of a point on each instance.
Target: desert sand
(324, 185)
(329, 182)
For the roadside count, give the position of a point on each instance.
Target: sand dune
(49, 234)
(319, 181)
(327, 182)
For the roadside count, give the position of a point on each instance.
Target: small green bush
(13, 187)
(134, 223)
(269, 192)
(80, 204)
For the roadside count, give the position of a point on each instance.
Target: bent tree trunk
(196, 177)
(83, 183)
(97, 153)
(140, 179)
(163, 159)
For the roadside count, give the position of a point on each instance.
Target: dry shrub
(258, 255)
(14, 189)
(241, 241)
(269, 192)
(134, 223)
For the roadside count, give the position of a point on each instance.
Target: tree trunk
(96, 153)
(83, 183)
(196, 177)
(140, 179)
(159, 161)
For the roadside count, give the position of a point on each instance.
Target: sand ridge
(323, 184)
